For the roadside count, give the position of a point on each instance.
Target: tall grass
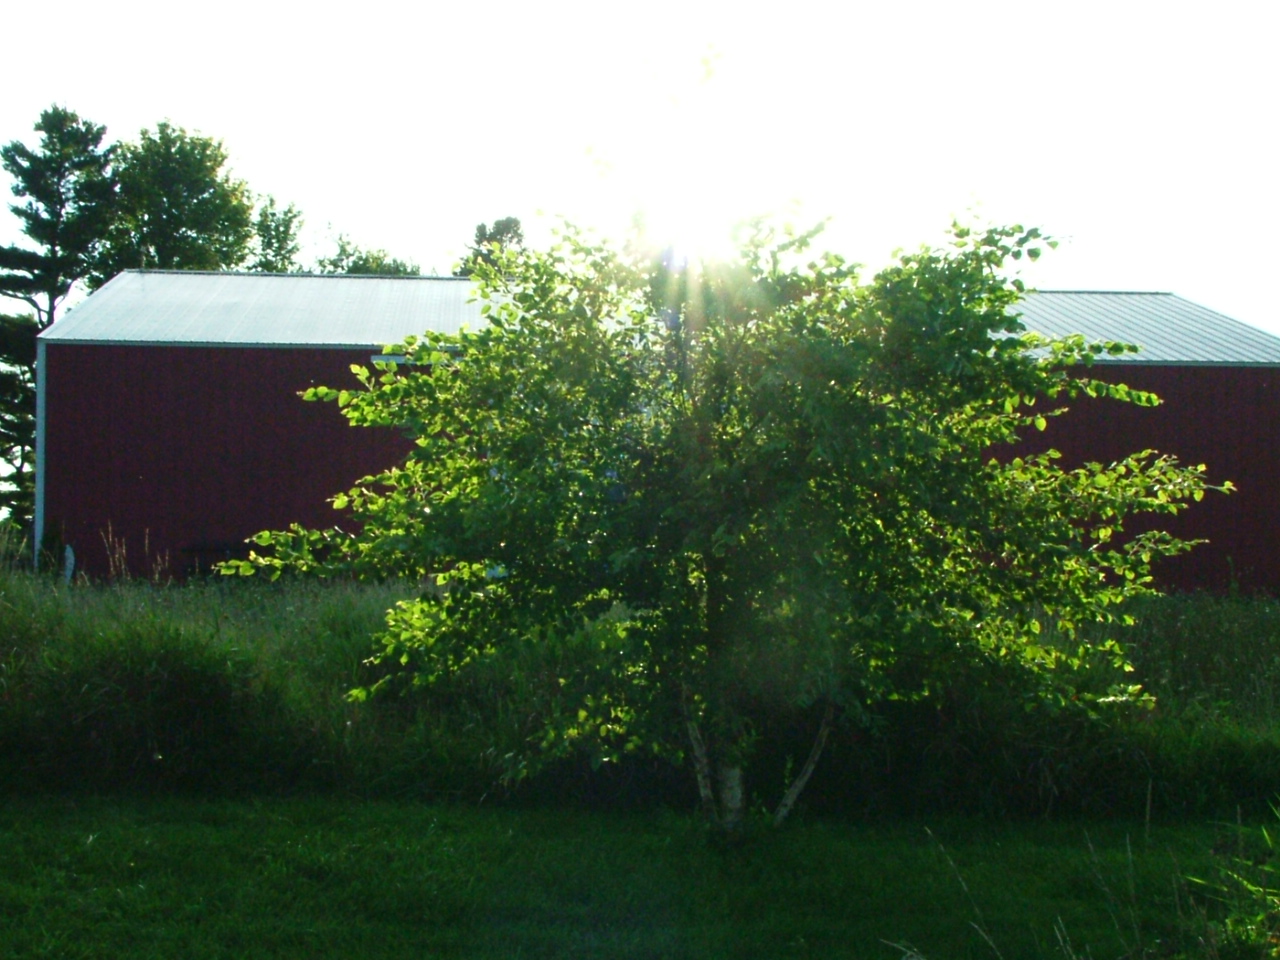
(216, 684)
(1211, 656)
(228, 685)
(196, 686)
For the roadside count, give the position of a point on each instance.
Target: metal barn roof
(190, 308)
(1169, 329)
(265, 309)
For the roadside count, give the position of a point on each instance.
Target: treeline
(90, 208)
(165, 201)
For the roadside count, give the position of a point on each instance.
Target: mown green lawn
(331, 878)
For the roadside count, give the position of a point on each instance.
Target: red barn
(1220, 383)
(169, 426)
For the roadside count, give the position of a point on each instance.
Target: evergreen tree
(69, 195)
(18, 416)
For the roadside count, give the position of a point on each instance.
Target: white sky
(1143, 135)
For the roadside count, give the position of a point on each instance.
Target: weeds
(1211, 657)
(1244, 894)
(241, 685)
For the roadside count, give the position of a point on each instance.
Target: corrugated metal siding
(266, 309)
(1227, 418)
(1168, 328)
(190, 450)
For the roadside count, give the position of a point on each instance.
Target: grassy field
(331, 878)
(180, 775)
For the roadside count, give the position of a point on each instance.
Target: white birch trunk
(731, 797)
(798, 784)
(702, 771)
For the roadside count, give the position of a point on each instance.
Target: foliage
(506, 232)
(18, 416)
(69, 191)
(1211, 656)
(268, 663)
(1246, 892)
(743, 486)
(146, 686)
(178, 208)
(276, 242)
(352, 259)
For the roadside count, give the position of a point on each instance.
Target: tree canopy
(18, 415)
(69, 193)
(352, 259)
(677, 494)
(89, 210)
(489, 243)
(276, 244)
(178, 208)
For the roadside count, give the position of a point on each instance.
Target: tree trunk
(802, 778)
(724, 812)
(731, 797)
(702, 771)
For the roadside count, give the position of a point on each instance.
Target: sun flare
(687, 225)
(698, 179)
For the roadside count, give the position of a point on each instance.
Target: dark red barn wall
(1227, 418)
(183, 452)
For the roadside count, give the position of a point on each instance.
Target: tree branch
(702, 770)
(802, 778)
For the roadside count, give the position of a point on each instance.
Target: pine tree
(18, 416)
(68, 195)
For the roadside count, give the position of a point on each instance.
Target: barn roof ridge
(297, 273)
(1118, 293)
(1170, 329)
(237, 309)
(221, 308)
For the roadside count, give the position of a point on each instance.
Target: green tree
(506, 232)
(276, 238)
(69, 195)
(680, 499)
(178, 208)
(350, 258)
(18, 416)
